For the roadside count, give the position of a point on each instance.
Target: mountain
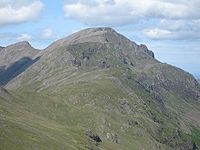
(96, 89)
(14, 59)
(1, 47)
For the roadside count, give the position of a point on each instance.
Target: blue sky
(170, 28)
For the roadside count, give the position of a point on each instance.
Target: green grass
(196, 135)
(54, 110)
(61, 116)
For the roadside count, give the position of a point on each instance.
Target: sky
(170, 28)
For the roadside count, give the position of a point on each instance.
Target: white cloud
(48, 34)
(175, 29)
(157, 33)
(12, 12)
(117, 12)
(167, 19)
(24, 37)
(189, 25)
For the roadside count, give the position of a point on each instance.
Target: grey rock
(76, 62)
(93, 136)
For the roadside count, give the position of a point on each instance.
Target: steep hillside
(14, 59)
(97, 89)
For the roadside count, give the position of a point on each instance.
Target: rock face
(98, 79)
(14, 59)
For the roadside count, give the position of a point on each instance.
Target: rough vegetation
(98, 90)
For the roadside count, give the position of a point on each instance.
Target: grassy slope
(21, 129)
(55, 111)
(57, 118)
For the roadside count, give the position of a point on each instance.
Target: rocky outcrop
(93, 136)
(145, 49)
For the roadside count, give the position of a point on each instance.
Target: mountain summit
(14, 59)
(95, 35)
(96, 89)
(15, 52)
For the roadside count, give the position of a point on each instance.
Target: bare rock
(93, 136)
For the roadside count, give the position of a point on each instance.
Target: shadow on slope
(16, 68)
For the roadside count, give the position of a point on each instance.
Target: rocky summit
(96, 90)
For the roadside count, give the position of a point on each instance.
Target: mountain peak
(23, 44)
(98, 29)
(14, 52)
(14, 59)
(103, 36)
(92, 35)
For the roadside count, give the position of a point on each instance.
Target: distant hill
(96, 89)
(14, 59)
